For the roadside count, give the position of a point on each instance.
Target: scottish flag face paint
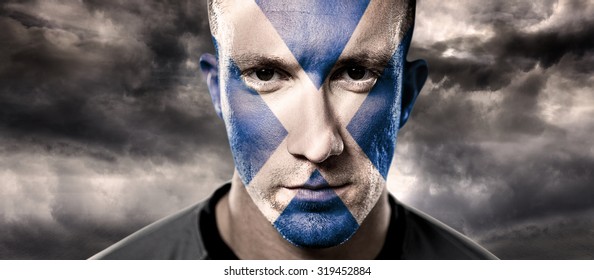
(310, 95)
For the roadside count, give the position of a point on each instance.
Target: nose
(315, 135)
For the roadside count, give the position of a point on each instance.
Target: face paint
(375, 125)
(314, 213)
(323, 30)
(311, 102)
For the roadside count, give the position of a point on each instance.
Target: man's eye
(356, 72)
(355, 78)
(265, 74)
(265, 79)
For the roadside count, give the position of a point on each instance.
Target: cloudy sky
(106, 125)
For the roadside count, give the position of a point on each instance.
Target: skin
(312, 96)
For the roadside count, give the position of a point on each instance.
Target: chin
(316, 224)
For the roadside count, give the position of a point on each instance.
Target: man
(312, 94)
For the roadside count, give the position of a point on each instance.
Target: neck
(246, 231)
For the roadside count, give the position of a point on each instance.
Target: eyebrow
(368, 59)
(250, 60)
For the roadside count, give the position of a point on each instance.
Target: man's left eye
(357, 79)
(356, 72)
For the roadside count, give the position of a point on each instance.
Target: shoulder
(173, 237)
(178, 236)
(427, 238)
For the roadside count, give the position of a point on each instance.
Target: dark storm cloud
(57, 206)
(105, 123)
(494, 63)
(554, 182)
(38, 239)
(500, 138)
(120, 77)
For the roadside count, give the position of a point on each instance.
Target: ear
(210, 72)
(415, 75)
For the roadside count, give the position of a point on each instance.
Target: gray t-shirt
(192, 234)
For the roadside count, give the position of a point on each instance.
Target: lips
(316, 193)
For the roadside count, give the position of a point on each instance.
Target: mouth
(317, 193)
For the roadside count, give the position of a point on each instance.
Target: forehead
(307, 29)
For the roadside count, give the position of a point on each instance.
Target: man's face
(310, 95)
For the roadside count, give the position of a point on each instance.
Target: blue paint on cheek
(253, 129)
(315, 31)
(316, 218)
(375, 124)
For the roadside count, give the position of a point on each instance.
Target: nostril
(318, 154)
(316, 149)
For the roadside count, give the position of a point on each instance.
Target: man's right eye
(265, 79)
(265, 74)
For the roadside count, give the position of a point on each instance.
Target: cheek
(254, 132)
(375, 125)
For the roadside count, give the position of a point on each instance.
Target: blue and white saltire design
(314, 37)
